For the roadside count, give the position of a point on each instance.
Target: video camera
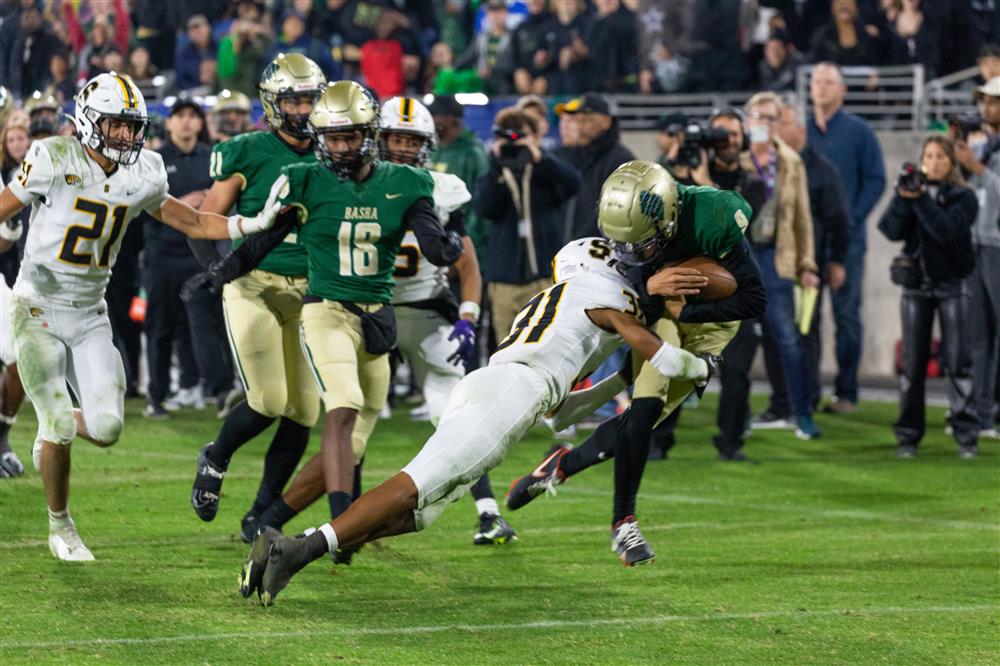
(696, 138)
(911, 178)
(964, 124)
(512, 155)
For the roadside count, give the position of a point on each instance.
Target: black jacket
(936, 232)
(595, 162)
(828, 201)
(186, 173)
(553, 182)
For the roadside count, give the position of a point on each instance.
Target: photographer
(933, 213)
(670, 139)
(521, 195)
(979, 154)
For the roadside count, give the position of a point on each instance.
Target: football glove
(11, 230)
(218, 274)
(465, 333)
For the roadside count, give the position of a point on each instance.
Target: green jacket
(466, 158)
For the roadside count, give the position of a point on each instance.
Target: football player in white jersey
(561, 335)
(83, 191)
(436, 334)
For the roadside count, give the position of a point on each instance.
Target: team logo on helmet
(651, 205)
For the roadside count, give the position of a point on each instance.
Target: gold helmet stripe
(130, 102)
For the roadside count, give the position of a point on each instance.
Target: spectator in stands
(80, 18)
(667, 25)
(917, 35)
(669, 70)
(113, 61)
(831, 229)
(455, 18)
(567, 31)
(845, 40)
(989, 62)
(781, 235)
(717, 61)
(612, 48)
(934, 221)
(848, 142)
(242, 51)
(142, 70)
(444, 79)
(156, 30)
(521, 195)
(15, 141)
(530, 55)
(489, 53)
(382, 58)
(777, 69)
(980, 157)
(535, 106)
(460, 152)
(295, 39)
(200, 47)
(29, 53)
(61, 84)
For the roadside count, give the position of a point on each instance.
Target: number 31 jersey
(79, 215)
(553, 334)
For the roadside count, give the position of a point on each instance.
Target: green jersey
(711, 222)
(352, 231)
(257, 158)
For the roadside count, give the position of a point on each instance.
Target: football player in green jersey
(652, 221)
(352, 214)
(263, 308)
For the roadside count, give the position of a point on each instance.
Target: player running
(436, 334)
(353, 213)
(701, 222)
(263, 308)
(84, 190)
(561, 335)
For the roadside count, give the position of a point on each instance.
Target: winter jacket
(595, 162)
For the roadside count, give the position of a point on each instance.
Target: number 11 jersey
(79, 216)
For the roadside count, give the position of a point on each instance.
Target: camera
(513, 156)
(696, 138)
(911, 178)
(964, 124)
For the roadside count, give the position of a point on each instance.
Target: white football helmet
(406, 115)
(586, 255)
(111, 96)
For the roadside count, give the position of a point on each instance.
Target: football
(721, 283)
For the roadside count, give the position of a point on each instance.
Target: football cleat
(65, 542)
(207, 486)
(544, 479)
(344, 555)
(493, 529)
(10, 465)
(248, 526)
(629, 543)
(253, 568)
(713, 362)
(287, 557)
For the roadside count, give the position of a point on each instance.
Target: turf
(824, 552)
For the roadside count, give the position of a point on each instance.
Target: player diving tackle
(560, 336)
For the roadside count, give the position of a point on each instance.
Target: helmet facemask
(122, 151)
(346, 164)
(294, 124)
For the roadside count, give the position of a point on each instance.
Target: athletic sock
(5, 423)
(59, 518)
(242, 425)
(481, 489)
(339, 502)
(487, 505)
(356, 488)
(277, 514)
(632, 452)
(287, 446)
(600, 446)
(317, 544)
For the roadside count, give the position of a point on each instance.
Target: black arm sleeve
(456, 222)
(749, 300)
(204, 251)
(440, 247)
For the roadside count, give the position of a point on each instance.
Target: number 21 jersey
(79, 215)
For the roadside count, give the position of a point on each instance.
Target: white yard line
(348, 632)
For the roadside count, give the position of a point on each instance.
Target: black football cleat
(248, 526)
(256, 562)
(629, 543)
(713, 363)
(544, 479)
(493, 530)
(287, 557)
(344, 555)
(207, 487)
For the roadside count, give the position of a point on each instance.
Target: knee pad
(105, 428)
(363, 427)
(61, 430)
(271, 401)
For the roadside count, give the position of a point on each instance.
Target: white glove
(672, 361)
(11, 230)
(240, 226)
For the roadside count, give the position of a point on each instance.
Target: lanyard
(772, 168)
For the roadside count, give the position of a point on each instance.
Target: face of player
(296, 109)
(403, 148)
(120, 133)
(343, 144)
(935, 162)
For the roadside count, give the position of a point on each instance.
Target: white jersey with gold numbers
(79, 216)
(553, 335)
(416, 278)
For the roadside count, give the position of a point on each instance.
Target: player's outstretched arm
(212, 226)
(10, 206)
(668, 360)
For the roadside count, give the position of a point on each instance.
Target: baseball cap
(589, 103)
(675, 120)
(496, 4)
(446, 105)
(992, 88)
(197, 19)
(186, 103)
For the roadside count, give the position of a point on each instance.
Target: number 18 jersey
(553, 334)
(79, 215)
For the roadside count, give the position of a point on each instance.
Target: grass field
(825, 552)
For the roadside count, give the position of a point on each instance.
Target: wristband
(235, 233)
(13, 234)
(470, 308)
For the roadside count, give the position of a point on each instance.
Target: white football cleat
(65, 543)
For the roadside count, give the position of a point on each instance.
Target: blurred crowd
(499, 47)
